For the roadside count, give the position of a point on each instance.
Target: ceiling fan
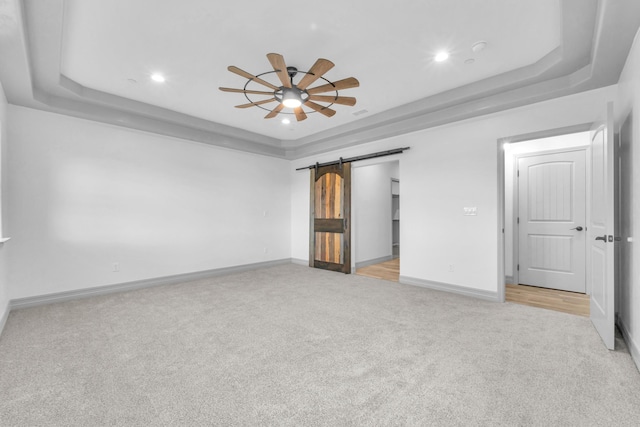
(294, 94)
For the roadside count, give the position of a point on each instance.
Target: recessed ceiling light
(286, 121)
(442, 56)
(469, 61)
(159, 78)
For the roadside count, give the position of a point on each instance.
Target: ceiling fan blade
(320, 109)
(342, 100)
(317, 70)
(251, 104)
(277, 62)
(347, 83)
(246, 75)
(253, 92)
(274, 112)
(300, 114)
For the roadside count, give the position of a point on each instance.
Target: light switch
(471, 211)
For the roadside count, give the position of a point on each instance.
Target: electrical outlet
(266, 250)
(116, 267)
(451, 268)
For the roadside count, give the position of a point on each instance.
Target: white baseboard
(139, 284)
(509, 279)
(455, 289)
(373, 261)
(634, 348)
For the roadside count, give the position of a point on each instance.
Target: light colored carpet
(295, 346)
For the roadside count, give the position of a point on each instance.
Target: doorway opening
(600, 227)
(546, 216)
(395, 218)
(376, 220)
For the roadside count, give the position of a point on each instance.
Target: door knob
(603, 238)
(579, 228)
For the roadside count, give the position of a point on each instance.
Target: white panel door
(601, 273)
(552, 215)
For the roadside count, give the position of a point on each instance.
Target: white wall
(446, 169)
(85, 195)
(371, 204)
(574, 140)
(628, 102)
(4, 286)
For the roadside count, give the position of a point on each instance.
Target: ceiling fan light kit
(294, 95)
(290, 99)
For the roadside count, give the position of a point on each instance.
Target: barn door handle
(603, 238)
(579, 228)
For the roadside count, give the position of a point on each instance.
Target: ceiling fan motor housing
(292, 71)
(281, 93)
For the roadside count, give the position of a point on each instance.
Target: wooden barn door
(330, 218)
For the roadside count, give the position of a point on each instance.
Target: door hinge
(518, 220)
(518, 269)
(518, 174)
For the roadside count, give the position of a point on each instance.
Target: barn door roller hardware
(356, 158)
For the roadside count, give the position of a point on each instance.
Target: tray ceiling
(94, 59)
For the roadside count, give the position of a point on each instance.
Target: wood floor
(388, 270)
(550, 299)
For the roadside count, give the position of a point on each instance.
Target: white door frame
(584, 127)
(516, 207)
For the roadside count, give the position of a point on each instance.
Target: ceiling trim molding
(594, 47)
(108, 115)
